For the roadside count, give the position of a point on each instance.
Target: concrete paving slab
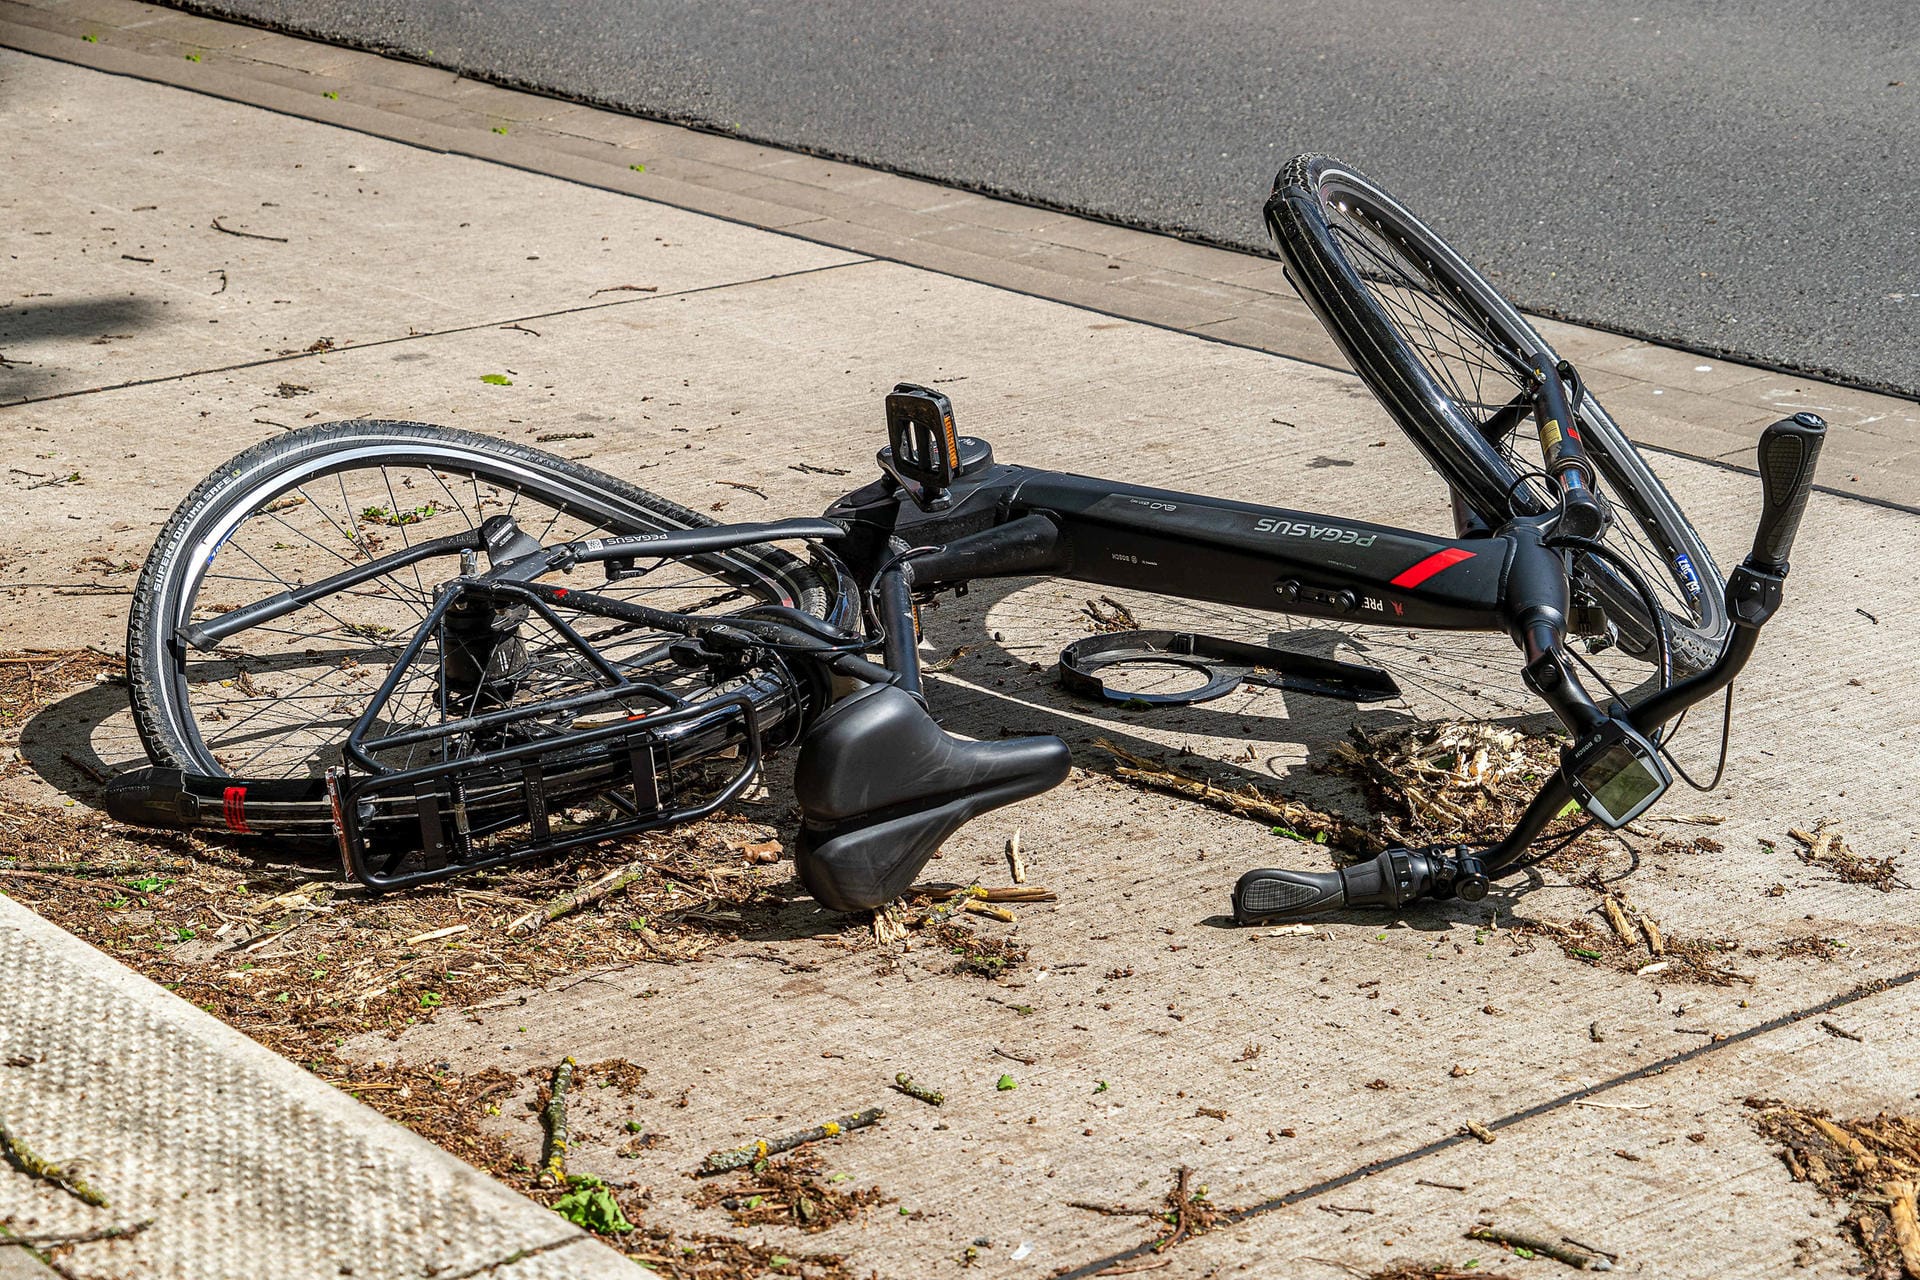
(1133, 982)
(316, 219)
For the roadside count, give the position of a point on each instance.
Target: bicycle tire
(1316, 206)
(164, 595)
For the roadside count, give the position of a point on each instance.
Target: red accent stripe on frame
(236, 809)
(1433, 564)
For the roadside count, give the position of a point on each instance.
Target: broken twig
(22, 1157)
(905, 1084)
(1578, 1259)
(553, 1152)
(249, 235)
(586, 895)
(740, 1157)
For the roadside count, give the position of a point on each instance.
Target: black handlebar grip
(1789, 450)
(1394, 877)
(1277, 894)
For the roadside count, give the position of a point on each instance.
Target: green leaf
(193, 57)
(1099, 1086)
(1005, 1083)
(184, 934)
(499, 128)
(638, 168)
(589, 1204)
(634, 1126)
(430, 999)
(1585, 954)
(333, 94)
(91, 38)
(780, 1260)
(496, 379)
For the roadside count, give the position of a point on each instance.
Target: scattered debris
(740, 1157)
(1187, 1212)
(1871, 1164)
(1108, 614)
(1478, 1130)
(1016, 865)
(626, 288)
(1630, 943)
(809, 469)
(789, 1191)
(1453, 782)
(745, 488)
(1432, 1271)
(1825, 848)
(974, 954)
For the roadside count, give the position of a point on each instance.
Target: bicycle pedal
(924, 452)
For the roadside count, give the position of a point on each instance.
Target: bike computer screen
(1615, 774)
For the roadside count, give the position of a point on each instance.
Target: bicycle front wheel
(1446, 355)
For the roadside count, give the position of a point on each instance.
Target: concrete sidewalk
(383, 266)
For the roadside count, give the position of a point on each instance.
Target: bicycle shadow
(60, 743)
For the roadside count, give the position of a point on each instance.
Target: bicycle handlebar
(1789, 451)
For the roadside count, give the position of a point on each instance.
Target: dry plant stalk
(1158, 775)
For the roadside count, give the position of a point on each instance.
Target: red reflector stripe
(1433, 564)
(236, 809)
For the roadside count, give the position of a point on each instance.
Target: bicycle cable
(873, 588)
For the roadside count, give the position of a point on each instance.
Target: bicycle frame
(883, 545)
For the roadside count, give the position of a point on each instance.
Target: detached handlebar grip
(1274, 893)
(1789, 451)
(1395, 877)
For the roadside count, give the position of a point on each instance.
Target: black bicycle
(376, 634)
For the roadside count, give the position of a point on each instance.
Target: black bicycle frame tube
(1211, 549)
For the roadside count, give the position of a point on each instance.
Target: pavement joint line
(1864, 991)
(1741, 468)
(432, 333)
(1163, 231)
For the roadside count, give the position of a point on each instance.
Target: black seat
(881, 786)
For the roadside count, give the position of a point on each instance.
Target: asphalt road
(1733, 177)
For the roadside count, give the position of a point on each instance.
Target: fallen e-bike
(442, 652)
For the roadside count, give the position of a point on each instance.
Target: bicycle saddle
(881, 786)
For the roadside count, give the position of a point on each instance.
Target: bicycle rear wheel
(1445, 354)
(276, 700)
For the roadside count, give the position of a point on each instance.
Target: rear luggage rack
(412, 826)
